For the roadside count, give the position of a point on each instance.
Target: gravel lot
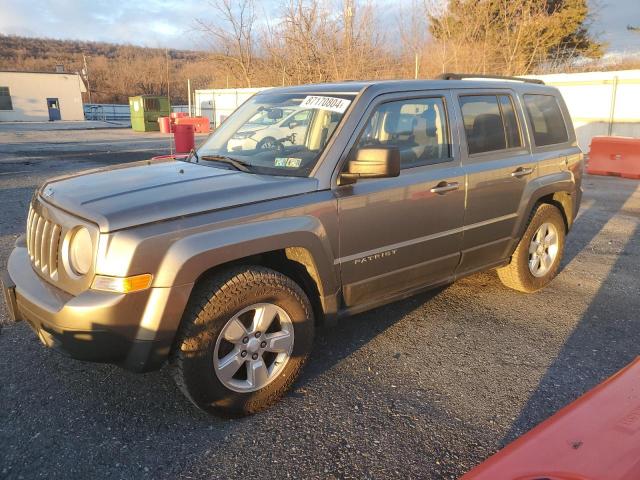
(423, 388)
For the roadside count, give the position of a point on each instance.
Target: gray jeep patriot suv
(309, 203)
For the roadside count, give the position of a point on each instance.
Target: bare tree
(232, 38)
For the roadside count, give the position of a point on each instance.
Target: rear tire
(221, 362)
(536, 260)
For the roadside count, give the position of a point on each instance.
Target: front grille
(43, 241)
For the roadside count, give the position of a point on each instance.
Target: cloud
(170, 23)
(154, 23)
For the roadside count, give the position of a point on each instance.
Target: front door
(498, 165)
(400, 234)
(54, 109)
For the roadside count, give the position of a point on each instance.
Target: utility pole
(85, 74)
(417, 67)
(189, 93)
(166, 54)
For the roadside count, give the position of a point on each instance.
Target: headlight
(80, 251)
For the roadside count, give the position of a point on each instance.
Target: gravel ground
(423, 388)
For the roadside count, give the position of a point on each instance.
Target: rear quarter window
(546, 120)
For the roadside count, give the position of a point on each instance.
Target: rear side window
(490, 123)
(417, 127)
(546, 120)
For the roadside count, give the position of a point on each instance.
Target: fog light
(122, 284)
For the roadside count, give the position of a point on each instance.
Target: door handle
(444, 187)
(521, 172)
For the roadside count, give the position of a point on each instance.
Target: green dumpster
(145, 110)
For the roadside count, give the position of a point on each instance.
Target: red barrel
(165, 124)
(184, 138)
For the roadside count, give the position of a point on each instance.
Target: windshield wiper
(237, 164)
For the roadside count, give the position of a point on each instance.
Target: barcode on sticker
(333, 104)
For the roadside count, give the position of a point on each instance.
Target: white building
(35, 96)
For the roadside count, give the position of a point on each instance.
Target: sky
(170, 23)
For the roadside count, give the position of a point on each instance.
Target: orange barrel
(184, 138)
(165, 124)
(179, 114)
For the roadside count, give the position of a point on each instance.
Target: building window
(5, 99)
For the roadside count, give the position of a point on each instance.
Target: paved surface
(423, 388)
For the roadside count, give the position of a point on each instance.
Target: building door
(54, 109)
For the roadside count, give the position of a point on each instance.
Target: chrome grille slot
(43, 242)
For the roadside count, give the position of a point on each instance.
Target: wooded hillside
(115, 71)
(312, 41)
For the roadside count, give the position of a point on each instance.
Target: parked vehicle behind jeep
(223, 264)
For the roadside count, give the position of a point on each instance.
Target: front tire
(536, 260)
(244, 338)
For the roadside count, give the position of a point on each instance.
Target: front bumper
(133, 330)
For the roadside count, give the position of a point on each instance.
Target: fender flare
(190, 257)
(556, 183)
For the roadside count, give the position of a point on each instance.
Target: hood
(145, 192)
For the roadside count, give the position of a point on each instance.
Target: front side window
(490, 123)
(5, 99)
(546, 120)
(277, 133)
(417, 127)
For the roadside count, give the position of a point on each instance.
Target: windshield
(276, 133)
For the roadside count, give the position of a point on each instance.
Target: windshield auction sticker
(287, 162)
(332, 104)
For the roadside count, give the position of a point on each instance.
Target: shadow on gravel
(593, 219)
(598, 347)
(332, 345)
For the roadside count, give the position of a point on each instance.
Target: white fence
(217, 104)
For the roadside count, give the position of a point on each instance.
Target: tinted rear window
(546, 120)
(490, 123)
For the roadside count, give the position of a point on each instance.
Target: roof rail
(462, 76)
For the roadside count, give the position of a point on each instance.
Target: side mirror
(372, 162)
(293, 124)
(275, 114)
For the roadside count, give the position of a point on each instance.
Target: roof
(384, 86)
(43, 73)
(82, 86)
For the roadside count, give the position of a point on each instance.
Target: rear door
(498, 164)
(404, 233)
